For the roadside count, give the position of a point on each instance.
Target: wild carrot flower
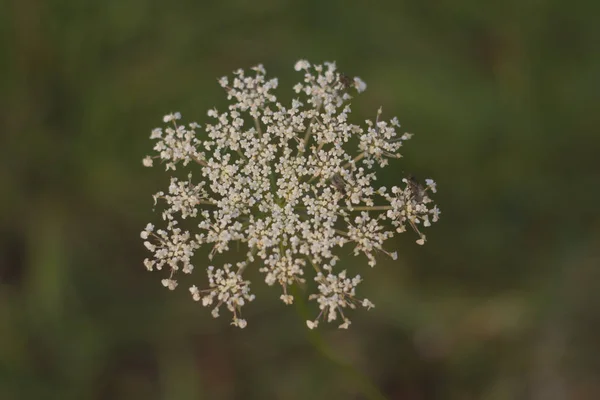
(279, 180)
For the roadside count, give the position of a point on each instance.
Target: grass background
(501, 303)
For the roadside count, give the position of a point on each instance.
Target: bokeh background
(501, 303)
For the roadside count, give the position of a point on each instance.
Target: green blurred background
(501, 303)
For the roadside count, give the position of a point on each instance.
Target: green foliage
(500, 303)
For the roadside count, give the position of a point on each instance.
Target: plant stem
(363, 383)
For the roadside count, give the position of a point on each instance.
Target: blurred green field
(501, 303)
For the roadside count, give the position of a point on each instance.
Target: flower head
(280, 181)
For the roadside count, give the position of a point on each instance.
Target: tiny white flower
(156, 133)
(287, 299)
(431, 184)
(367, 304)
(195, 293)
(149, 264)
(171, 284)
(147, 161)
(345, 325)
(240, 323)
(312, 324)
(301, 64)
(361, 86)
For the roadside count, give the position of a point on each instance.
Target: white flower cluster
(279, 181)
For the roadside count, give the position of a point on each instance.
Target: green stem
(355, 160)
(363, 383)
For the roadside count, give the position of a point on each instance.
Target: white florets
(279, 182)
(361, 86)
(336, 292)
(226, 287)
